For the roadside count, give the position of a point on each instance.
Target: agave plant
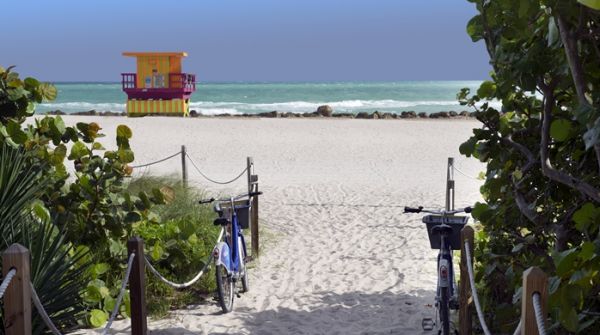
(57, 270)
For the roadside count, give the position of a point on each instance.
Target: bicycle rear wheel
(224, 289)
(444, 311)
(243, 268)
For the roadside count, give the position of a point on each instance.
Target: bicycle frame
(445, 267)
(228, 253)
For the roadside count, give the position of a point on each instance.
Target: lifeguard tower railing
(179, 85)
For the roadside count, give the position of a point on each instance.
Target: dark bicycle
(443, 229)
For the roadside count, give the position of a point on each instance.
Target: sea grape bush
(90, 206)
(542, 149)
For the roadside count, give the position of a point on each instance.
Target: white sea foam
(214, 108)
(81, 106)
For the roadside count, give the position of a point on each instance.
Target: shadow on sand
(330, 313)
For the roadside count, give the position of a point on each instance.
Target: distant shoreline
(276, 114)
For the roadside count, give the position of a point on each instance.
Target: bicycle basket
(456, 222)
(242, 209)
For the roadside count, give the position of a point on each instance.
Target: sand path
(344, 258)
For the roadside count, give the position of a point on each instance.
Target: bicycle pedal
(427, 324)
(248, 259)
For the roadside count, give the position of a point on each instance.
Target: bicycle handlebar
(439, 212)
(243, 195)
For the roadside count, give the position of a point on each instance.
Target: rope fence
(533, 300)
(532, 321)
(156, 162)
(190, 282)
(211, 179)
(6, 281)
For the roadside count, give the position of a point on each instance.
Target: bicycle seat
(442, 229)
(221, 222)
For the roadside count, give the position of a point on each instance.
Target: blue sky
(245, 40)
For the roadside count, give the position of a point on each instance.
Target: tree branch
(547, 169)
(570, 44)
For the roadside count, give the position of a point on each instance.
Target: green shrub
(178, 242)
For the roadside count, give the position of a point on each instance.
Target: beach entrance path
(339, 257)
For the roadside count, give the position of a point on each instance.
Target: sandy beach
(342, 257)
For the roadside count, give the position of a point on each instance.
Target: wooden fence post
(465, 299)
(137, 289)
(253, 187)
(254, 222)
(534, 280)
(184, 174)
(450, 184)
(17, 297)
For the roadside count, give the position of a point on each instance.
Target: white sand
(345, 260)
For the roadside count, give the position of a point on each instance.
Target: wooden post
(253, 187)
(254, 222)
(137, 289)
(249, 171)
(17, 297)
(450, 184)
(184, 174)
(534, 280)
(465, 299)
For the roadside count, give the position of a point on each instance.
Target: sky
(245, 40)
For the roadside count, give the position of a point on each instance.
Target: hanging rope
(464, 174)
(486, 331)
(42, 311)
(115, 310)
(539, 318)
(6, 281)
(156, 162)
(193, 280)
(212, 180)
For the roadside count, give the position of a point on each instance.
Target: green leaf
(126, 155)
(468, 147)
(98, 318)
(592, 136)
(587, 251)
(584, 216)
(109, 303)
(565, 261)
(14, 131)
(568, 318)
(560, 130)
(157, 251)
(553, 35)
(100, 268)
(47, 91)
(40, 211)
(31, 83)
(78, 151)
(475, 28)
(486, 89)
(594, 4)
(124, 131)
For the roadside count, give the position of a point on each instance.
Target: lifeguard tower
(159, 87)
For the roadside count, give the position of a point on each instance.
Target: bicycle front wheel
(224, 289)
(444, 311)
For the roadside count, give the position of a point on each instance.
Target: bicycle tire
(245, 282)
(225, 289)
(444, 310)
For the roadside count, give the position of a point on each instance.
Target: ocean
(252, 98)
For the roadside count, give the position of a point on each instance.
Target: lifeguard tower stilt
(159, 87)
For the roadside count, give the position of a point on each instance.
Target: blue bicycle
(230, 253)
(443, 229)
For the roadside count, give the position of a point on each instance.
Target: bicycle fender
(222, 255)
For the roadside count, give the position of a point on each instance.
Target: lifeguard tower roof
(149, 53)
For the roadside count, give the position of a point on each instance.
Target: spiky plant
(57, 270)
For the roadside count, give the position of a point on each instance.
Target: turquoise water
(239, 98)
